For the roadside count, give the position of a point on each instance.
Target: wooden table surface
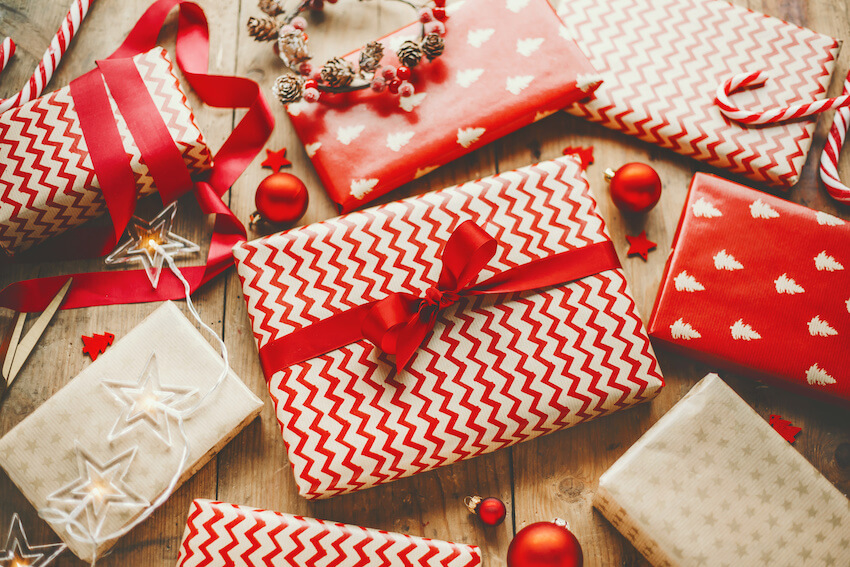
(538, 480)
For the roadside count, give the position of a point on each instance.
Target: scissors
(14, 350)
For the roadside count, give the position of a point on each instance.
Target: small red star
(276, 160)
(640, 244)
(586, 154)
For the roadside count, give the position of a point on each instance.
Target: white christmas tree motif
(466, 77)
(477, 38)
(724, 261)
(784, 284)
(820, 328)
(817, 375)
(761, 210)
(686, 282)
(516, 6)
(362, 187)
(295, 108)
(528, 45)
(347, 134)
(516, 85)
(743, 332)
(311, 149)
(468, 136)
(826, 219)
(704, 209)
(424, 170)
(825, 262)
(681, 330)
(398, 140)
(541, 114)
(408, 103)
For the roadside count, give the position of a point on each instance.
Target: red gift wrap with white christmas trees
(761, 286)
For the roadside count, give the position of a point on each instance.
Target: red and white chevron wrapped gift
(507, 63)
(48, 183)
(761, 286)
(495, 371)
(661, 62)
(220, 535)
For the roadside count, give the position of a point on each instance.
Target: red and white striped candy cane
(7, 49)
(832, 150)
(42, 74)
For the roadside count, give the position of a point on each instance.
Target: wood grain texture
(539, 480)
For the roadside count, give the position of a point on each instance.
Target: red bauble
(492, 511)
(281, 198)
(545, 544)
(635, 187)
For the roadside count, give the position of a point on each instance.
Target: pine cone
(410, 54)
(433, 46)
(262, 29)
(271, 7)
(337, 73)
(292, 48)
(287, 88)
(370, 56)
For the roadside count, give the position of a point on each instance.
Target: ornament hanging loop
(471, 503)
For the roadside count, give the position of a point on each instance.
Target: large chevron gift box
(661, 62)
(48, 182)
(220, 535)
(495, 371)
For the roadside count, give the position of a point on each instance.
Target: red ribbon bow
(399, 323)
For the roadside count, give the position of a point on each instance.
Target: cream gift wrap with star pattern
(101, 450)
(711, 483)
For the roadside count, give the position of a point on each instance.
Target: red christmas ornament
(491, 510)
(96, 344)
(545, 544)
(280, 198)
(640, 244)
(276, 160)
(635, 187)
(784, 428)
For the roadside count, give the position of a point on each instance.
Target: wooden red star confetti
(640, 244)
(96, 344)
(276, 160)
(586, 154)
(784, 428)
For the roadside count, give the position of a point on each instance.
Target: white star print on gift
(147, 402)
(18, 552)
(139, 247)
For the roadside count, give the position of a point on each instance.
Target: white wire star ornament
(147, 401)
(98, 488)
(19, 553)
(143, 235)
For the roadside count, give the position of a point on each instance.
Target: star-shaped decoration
(148, 402)
(640, 244)
(19, 553)
(98, 488)
(143, 235)
(276, 160)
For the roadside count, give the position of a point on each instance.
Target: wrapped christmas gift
(94, 458)
(711, 483)
(661, 62)
(219, 535)
(758, 285)
(48, 172)
(506, 64)
(502, 300)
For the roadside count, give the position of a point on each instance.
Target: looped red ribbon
(399, 323)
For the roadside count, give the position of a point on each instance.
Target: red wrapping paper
(761, 286)
(48, 182)
(506, 64)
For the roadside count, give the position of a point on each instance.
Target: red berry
(440, 3)
(311, 84)
(312, 95)
(394, 85)
(425, 16)
(388, 73)
(440, 14)
(403, 73)
(406, 89)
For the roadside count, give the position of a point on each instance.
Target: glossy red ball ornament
(491, 510)
(545, 544)
(281, 198)
(635, 187)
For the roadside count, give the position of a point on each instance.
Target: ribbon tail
(410, 339)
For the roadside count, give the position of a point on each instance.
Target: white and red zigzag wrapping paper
(47, 180)
(220, 535)
(662, 60)
(496, 370)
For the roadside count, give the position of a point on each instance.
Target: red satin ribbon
(171, 177)
(400, 322)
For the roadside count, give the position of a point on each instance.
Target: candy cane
(832, 150)
(42, 74)
(7, 49)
